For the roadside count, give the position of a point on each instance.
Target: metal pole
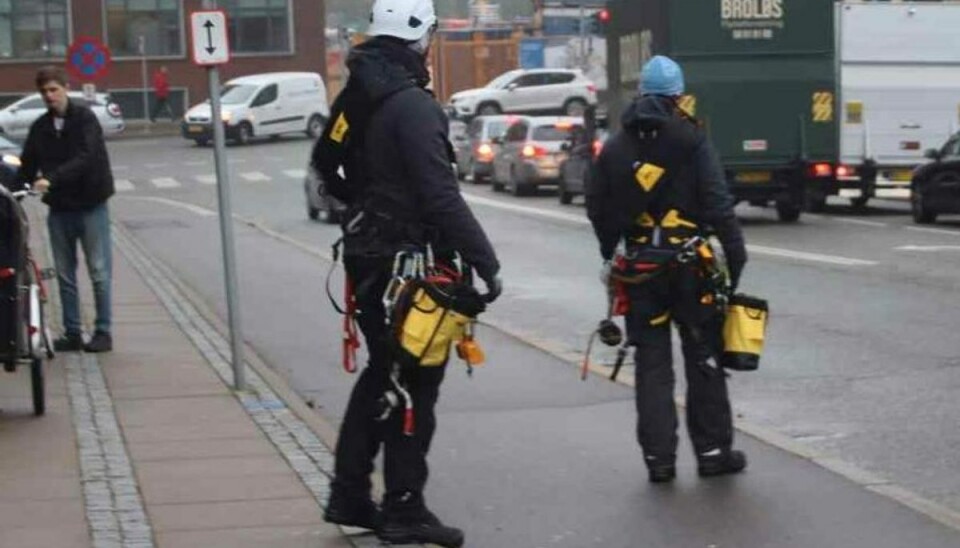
(146, 86)
(226, 226)
(583, 37)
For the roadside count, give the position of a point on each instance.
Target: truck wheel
(788, 212)
(918, 207)
(244, 133)
(315, 126)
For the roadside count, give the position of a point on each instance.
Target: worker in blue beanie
(656, 188)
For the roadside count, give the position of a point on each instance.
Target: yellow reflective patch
(340, 129)
(688, 104)
(822, 107)
(646, 221)
(648, 175)
(673, 220)
(660, 320)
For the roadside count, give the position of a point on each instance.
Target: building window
(258, 26)
(157, 23)
(33, 29)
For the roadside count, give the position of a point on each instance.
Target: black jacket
(390, 137)
(654, 131)
(74, 160)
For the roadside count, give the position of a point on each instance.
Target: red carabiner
(351, 339)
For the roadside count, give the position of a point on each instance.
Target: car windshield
(501, 81)
(237, 95)
(553, 133)
(497, 129)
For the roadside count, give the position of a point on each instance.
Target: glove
(605, 272)
(494, 289)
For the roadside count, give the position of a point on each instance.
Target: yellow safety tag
(340, 129)
(648, 175)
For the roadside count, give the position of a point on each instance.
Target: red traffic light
(603, 16)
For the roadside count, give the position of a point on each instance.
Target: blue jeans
(91, 229)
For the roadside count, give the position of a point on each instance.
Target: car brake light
(597, 148)
(821, 170)
(592, 88)
(531, 151)
(485, 151)
(114, 110)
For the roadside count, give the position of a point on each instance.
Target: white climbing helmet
(408, 20)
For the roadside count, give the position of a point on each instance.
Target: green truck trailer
(761, 76)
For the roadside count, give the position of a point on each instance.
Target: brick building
(265, 36)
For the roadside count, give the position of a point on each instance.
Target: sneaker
(661, 470)
(69, 342)
(423, 529)
(100, 342)
(721, 462)
(353, 512)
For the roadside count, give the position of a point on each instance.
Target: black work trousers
(361, 434)
(675, 297)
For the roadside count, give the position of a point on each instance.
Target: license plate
(902, 175)
(548, 163)
(195, 129)
(754, 177)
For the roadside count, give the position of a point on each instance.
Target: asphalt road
(862, 363)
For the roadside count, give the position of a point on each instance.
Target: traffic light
(600, 21)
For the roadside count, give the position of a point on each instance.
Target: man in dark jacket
(657, 184)
(65, 158)
(386, 154)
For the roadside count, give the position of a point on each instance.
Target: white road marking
(756, 249)
(861, 222)
(121, 168)
(195, 164)
(295, 173)
(255, 177)
(156, 166)
(805, 256)
(123, 185)
(165, 182)
(202, 211)
(929, 248)
(206, 179)
(933, 230)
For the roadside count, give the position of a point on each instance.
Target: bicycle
(24, 338)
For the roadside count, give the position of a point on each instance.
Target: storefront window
(33, 29)
(258, 26)
(155, 23)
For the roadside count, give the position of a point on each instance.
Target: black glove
(494, 288)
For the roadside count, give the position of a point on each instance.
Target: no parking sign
(88, 59)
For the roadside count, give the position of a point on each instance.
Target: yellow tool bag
(744, 332)
(429, 317)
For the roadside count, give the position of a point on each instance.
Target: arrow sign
(211, 45)
(209, 26)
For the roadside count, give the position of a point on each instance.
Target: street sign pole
(204, 42)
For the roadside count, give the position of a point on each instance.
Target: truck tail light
(821, 170)
(846, 171)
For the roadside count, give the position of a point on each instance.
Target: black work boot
(661, 469)
(721, 462)
(409, 522)
(100, 342)
(353, 512)
(69, 342)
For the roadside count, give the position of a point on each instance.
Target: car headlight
(226, 116)
(12, 160)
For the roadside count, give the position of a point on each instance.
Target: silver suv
(16, 118)
(545, 91)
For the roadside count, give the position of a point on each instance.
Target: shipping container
(761, 77)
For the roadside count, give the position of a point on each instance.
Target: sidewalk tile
(201, 449)
(45, 537)
(210, 410)
(274, 537)
(225, 515)
(18, 486)
(226, 489)
(178, 470)
(64, 514)
(189, 431)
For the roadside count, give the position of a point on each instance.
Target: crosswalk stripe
(123, 185)
(165, 182)
(295, 173)
(255, 177)
(206, 179)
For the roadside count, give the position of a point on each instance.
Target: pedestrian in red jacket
(161, 95)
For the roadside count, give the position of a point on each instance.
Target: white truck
(899, 85)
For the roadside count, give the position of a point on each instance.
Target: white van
(263, 105)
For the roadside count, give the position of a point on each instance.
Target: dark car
(583, 149)
(320, 205)
(935, 188)
(9, 162)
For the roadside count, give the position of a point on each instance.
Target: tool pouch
(744, 332)
(429, 317)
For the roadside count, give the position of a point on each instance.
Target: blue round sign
(88, 59)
